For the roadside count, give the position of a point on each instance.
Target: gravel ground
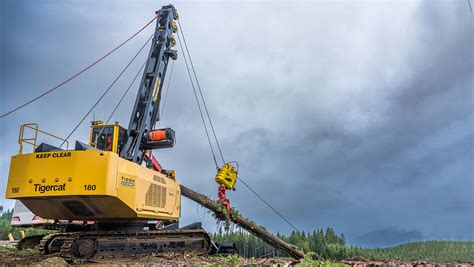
(9, 256)
(12, 257)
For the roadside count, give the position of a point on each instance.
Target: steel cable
(123, 96)
(212, 128)
(121, 99)
(78, 73)
(200, 92)
(268, 204)
(197, 101)
(166, 94)
(106, 91)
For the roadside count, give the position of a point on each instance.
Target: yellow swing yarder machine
(105, 182)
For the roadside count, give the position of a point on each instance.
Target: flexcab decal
(127, 181)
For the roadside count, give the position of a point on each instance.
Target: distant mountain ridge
(387, 237)
(430, 251)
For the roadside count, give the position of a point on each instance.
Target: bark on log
(245, 223)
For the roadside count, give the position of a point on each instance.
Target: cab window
(121, 139)
(103, 139)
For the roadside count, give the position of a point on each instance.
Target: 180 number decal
(89, 187)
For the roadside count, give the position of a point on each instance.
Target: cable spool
(160, 138)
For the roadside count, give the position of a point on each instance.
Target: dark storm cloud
(357, 116)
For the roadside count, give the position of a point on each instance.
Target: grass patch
(8, 248)
(309, 261)
(228, 260)
(24, 252)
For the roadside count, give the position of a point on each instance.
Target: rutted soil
(12, 257)
(34, 258)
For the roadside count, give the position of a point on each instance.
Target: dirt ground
(9, 256)
(394, 263)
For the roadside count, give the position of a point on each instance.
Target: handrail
(32, 141)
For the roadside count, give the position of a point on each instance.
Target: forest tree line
(327, 245)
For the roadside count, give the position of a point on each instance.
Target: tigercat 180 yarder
(113, 181)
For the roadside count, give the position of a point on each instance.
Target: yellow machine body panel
(91, 185)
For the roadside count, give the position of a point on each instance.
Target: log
(244, 223)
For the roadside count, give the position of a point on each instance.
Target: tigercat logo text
(53, 155)
(47, 188)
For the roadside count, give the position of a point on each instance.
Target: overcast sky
(357, 115)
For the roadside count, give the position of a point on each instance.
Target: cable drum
(160, 138)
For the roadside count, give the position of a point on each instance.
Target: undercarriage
(96, 246)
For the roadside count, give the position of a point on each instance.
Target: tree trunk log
(245, 224)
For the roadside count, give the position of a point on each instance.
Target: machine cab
(107, 137)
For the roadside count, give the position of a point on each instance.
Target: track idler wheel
(83, 249)
(55, 245)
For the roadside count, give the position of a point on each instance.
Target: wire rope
(106, 91)
(78, 73)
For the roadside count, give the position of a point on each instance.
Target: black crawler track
(80, 247)
(52, 243)
(29, 242)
